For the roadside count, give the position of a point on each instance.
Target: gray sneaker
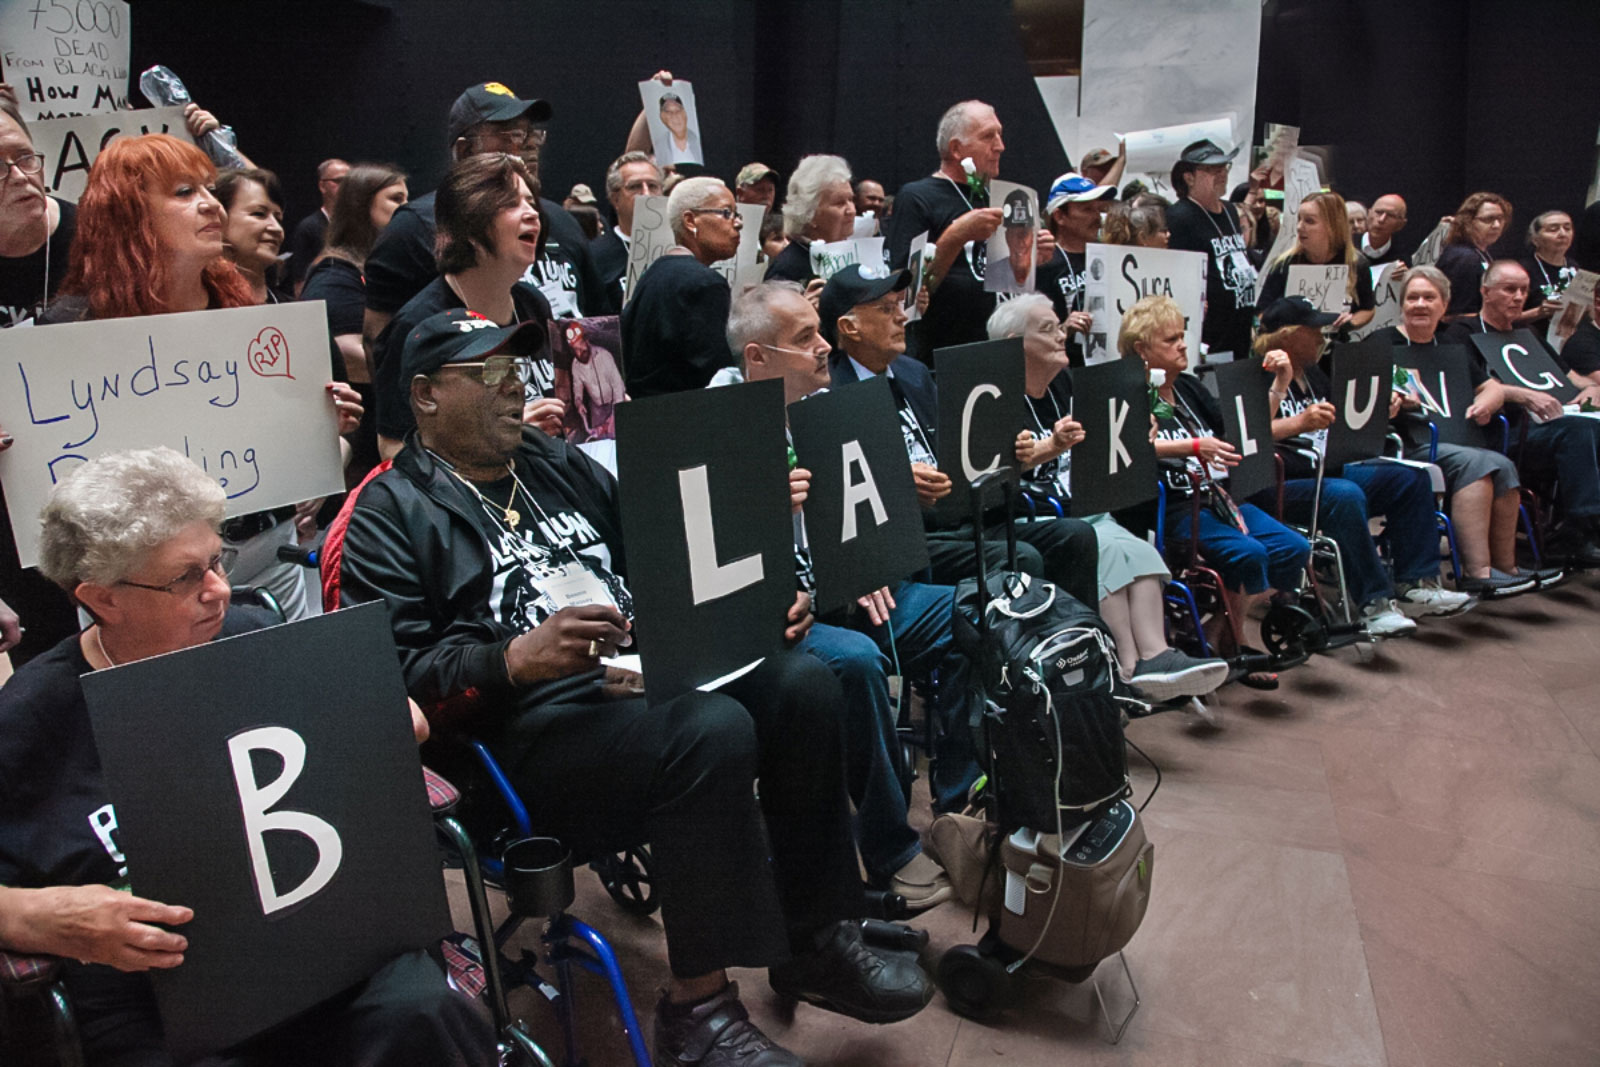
(1426, 597)
(1171, 674)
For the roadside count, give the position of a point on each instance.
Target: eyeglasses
(189, 582)
(643, 185)
(493, 371)
(27, 163)
(720, 212)
(515, 138)
(888, 305)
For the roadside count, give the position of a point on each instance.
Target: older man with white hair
(952, 205)
(673, 327)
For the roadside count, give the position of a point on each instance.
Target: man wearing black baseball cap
(499, 553)
(1016, 215)
(487, 117)
(1202, 221)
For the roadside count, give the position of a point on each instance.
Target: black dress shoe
(715, 1033)
(845, 975)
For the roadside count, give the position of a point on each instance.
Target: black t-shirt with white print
(1299, 452)
(1195, 415)
(1546, 281)
(959, 309)
(1230, 276)
(1052, 477)
(1062, 279)
(26, 285)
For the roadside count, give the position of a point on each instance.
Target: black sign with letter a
(1114, 466)
(982, 408)
(1363, 378)
(1247, 424)
(1520, 358)
(706, 523)
(271, 782)
(863, 522)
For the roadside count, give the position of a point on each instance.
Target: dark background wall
(1429, 98)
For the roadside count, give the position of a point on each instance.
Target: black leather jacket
(414, 543)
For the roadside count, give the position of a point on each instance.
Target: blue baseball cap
(1073, 187)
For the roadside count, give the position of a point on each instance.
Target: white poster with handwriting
(1323, 287)
(651, 237)
(65, 57)
(830, 257)
(241, 392)
(1300, 180)
(1385, 301)
(1121, 275)
(70, 145)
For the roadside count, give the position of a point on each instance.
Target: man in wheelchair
(499, 553)
(133, 536)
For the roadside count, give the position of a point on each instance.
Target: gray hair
(1433, 276)
(810, 178)
(1010, 318)
(750, 319)
(103, 518)
(614, 172)
(690, 195)
(1538, 221)
(957, 122)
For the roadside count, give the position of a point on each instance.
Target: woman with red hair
(150, 242)
(1477, 224)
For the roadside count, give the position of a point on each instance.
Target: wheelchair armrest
(1433, 441)
(20, 973)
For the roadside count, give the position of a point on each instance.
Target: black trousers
(403, 1016)
(1063, 551)
(734, 892)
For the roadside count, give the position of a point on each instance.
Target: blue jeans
(1566, 449)
(920, 623)
(1270, 556)
(1404, 495)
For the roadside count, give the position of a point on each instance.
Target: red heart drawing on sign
(269, 354)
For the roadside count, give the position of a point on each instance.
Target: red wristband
(1194, 443)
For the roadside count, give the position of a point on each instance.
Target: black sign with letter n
(1247, 424)
(706, 523)
(1114, 466)
(982, 408)
(863, 522)
(1520, 358)
(271, 782)
(1442, 381)
(1363, 378)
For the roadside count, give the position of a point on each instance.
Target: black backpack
(1045, 665)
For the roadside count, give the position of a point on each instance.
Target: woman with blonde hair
(1322, 238)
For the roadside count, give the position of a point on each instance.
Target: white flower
(1158, 377)
(969, 166)
(818, 246)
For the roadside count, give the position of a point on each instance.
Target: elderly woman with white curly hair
(820, 206)
(1130, 572)
(133, 537)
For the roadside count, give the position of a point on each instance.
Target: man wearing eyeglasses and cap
(499, 553)
(486, 118)
(1075, 207)
(1202, 221)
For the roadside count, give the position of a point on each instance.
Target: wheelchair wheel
(975, 985)
(908, 767)
(1291, 632)
(626, 876)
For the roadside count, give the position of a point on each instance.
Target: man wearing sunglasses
(499, 553)
(673, 327)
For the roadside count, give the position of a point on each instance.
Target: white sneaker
(1429, 598)
(1382, 618)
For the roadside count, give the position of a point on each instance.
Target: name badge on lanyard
(575, 586)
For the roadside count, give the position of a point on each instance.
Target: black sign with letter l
(1114, 466)
(863, 522)
(1520, 358)
(1442, 381)
(1247, 424)
(1363, 378)
(271, 782)
(706, 522)
(982, 408)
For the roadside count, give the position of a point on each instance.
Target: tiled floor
(1395, 859)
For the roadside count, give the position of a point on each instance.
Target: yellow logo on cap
(496, 87)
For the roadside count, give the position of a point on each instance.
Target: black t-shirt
(610, 254)
(958, 312)
(1230, 276)
(674, 329)
(24, 289)
(57, 824)
(1052, 477)
(1546, 282)
(1299, 452)
(1378, 259)
(1062, 279)
(1195, 415)
(1464, 265)
(305, 244)
(402, 262)
(1581, 353)
(793, 264)
(1276, 280)
(393, 395)
(339, 283)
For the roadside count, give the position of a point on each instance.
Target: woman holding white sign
(1130, 571)
(820, 206)
(1550, 269)
(150, 242)
(1322, 238)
